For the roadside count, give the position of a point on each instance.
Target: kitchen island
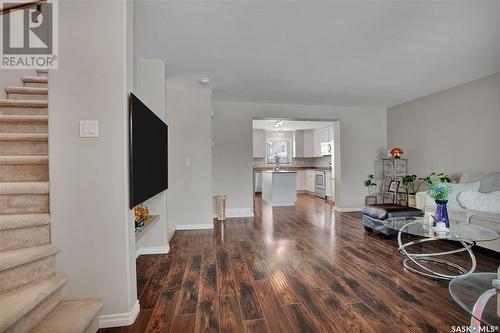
(279, 187)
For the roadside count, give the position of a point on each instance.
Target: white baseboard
(348, 209)
(152, 250)
(239, 212)
(120, 319)
(194, 226)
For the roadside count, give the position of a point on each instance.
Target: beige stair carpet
(30, 288)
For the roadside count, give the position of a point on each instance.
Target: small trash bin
(220, 206)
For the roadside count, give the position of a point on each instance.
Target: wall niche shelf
(147, 225)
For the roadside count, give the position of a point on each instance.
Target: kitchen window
(280, 149)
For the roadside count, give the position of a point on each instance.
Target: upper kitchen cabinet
(298, 144)
(259, 143)
(308, 144)
(316, 143)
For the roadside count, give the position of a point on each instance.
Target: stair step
(24, 169)
(34, 124)
(24, 188)
(27, 93)
(14, 160)
(32, 137)
(24, 198)
(27, 90)
(23, 104)
(12, 106)
(19, 302)
(42, 71)
(35, 81)
(70, 316)
(9, 222)
(14, 258)
(23, 231)
(23, 266)
(25, 119)
(24, 144)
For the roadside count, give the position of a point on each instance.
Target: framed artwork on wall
(393, 186)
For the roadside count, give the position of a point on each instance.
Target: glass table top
(467, 290)
(419, 226)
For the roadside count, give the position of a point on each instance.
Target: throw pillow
(460, 187)
(483, 202)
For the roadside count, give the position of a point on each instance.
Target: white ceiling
(288, 125)
(358, 53)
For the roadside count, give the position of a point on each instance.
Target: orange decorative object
(396, 152)
(141, 213)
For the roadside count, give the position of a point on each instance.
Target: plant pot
(412, 200)
(442, 213)
(370, 200)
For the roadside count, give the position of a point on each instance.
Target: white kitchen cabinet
(259, 143)
(310, 174)
(316, 144)
(321, 135)
(301, 181)
(308, 143)
(330, 135)
(298, 144)
(328, 189)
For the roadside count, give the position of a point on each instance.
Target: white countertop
(279, 171)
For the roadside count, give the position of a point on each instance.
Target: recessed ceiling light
(205, 80)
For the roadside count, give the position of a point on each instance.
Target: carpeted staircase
(31, 298)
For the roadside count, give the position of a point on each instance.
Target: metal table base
(417, 262)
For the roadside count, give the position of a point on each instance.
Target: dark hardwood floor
(290, 269)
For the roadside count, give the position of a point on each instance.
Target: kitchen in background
(301, 145)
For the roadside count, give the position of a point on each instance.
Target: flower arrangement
(396, 152)
(439, 186)
(141, 213)
(370, 184)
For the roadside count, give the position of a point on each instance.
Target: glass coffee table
(478, 294)
(422, 263)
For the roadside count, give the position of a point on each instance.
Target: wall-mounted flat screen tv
(148, 145)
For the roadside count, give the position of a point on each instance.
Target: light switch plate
(89, 128)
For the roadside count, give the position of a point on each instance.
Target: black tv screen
(148, 153)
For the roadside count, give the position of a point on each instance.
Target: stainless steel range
(320, 184)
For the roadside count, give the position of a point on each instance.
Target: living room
(423, 77)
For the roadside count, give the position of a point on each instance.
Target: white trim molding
(239, 212)
(152, 250)
(348, 209)
(194, 226)
(120, 319)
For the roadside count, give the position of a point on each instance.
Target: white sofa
(489, 181)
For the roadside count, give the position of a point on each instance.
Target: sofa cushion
(461, 187)
(490, 221)
(490, 181)
(387, 211)
(482, 202)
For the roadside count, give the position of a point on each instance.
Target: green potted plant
(412, 184)
(439, 190)
(371, 198)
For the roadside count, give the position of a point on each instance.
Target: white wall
(12, 78)
(452, 131)
(360, 141)
(149, 87)
(189, 194)
(89, 177)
